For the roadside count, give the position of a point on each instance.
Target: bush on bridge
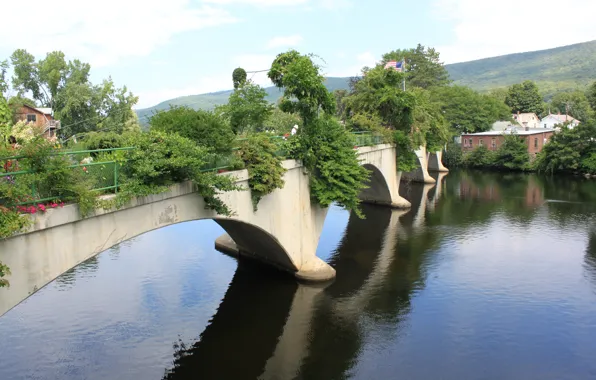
(3, 272)
(264, 167)
(161, 160)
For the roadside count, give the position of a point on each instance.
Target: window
(493, 142)
(536, 142)
(481, 142)
(471, 144)
(31, 118)
(545, 125)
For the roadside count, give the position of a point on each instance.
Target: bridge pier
(435, 163)
(420, 174)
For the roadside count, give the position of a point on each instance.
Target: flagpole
(403, 71)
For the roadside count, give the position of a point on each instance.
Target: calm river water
(488, 276)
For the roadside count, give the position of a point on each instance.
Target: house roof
(562, 118)
(45, 111)
(520, 132)
(525, 117)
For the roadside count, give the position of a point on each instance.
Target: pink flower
(85, 169)
(32, 210)
(61, 204)
(54, 205)
(41, 207)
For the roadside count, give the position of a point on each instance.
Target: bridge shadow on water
(268, 326)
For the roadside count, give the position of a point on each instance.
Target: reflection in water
(488, 276)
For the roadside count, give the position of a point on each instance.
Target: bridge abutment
(420, 174)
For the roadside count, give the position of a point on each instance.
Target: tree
(247, 108)
(512, 154)
(239, 77)
(424, 68)
(280, 122)
(570, 150)
(3, 82)
(340, 106)
(66, 88)
(591, 96)
(378, 96)
(203, 127)
(524, 97)
(572, 103)
(303, 85)
(467, 111)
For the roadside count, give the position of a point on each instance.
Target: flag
(398, 66)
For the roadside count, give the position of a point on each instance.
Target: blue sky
(164, 49)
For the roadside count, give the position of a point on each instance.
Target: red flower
(32, 210)
(85, 169)
(61, 204)
(41, 207)
(54, 205)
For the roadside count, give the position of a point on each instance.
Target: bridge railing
(105, 174)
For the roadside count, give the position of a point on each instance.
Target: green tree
(280, 122)
(424, 67)
(512, 154)
(239, 77)
(303, 85)
(570, 150)
(467, 111)
(572, 103)
(340, 105)
(3, 83)
(205, 128)
(524, 97)
(591, 96)
(247, 108)
(378, 96)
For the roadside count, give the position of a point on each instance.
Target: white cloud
(284, 41)
(489, 27)
(262, 3)
(104, 32)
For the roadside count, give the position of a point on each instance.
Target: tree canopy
(467, 111)
(591, 96)
(572, 103)
(524, 97)
(424, 68)
(205, 128)
(247, 108)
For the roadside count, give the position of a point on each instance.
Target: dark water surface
(489, 276)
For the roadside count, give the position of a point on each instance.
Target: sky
(164, 49)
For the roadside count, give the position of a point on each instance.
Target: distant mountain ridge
(559, 69)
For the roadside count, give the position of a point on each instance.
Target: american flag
(395, 65)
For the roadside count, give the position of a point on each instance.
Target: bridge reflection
(270, 327)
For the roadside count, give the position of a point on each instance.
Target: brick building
(534, 139)
(40, 117)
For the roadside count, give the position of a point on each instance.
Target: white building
(527, 120)
(551, 120)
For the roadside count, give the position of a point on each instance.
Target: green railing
(106, 174)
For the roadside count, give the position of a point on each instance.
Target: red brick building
(534, 139)
(40, 117)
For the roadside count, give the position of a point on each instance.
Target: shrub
(264, 167)
(161, 160)
(512, 154)
(480, 157)
(453, 156)
(327, 151)
(203, 127)
(406, 157)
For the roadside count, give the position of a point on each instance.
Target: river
(488, 276)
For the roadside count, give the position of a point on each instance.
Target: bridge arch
(283, 232)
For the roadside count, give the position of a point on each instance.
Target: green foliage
(591, 96)
(105, 140)
(378, 95)
(406, 157)
(467, 111)
(303, 85)
(279, 122)
(480, 157)
(512, 154)
(327, 151)
(572, 103)
(11, 222)
(5, 114)
(340, 105)
(163, 159)
(524, 97)
(570, 150)
(4, 270)
(453, 156)
(247, 108)
(264, 167)
(424, 68)
(3, 82)
(205, 128)
(239, 77)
